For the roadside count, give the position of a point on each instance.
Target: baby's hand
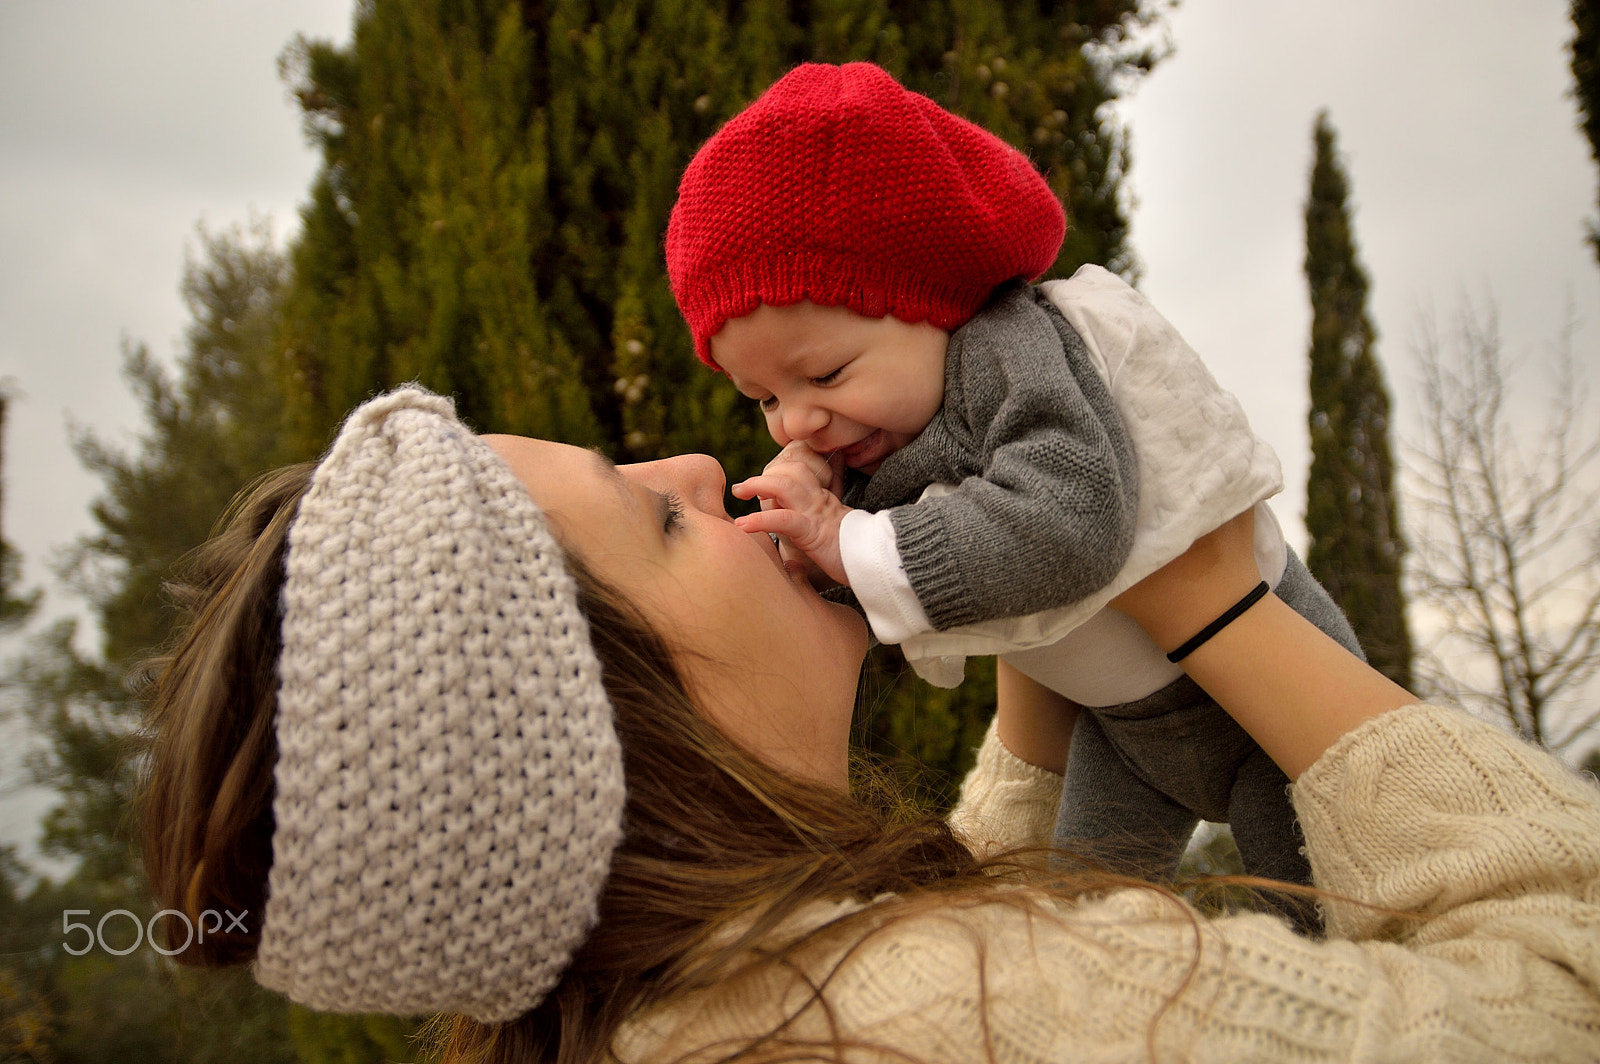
(799, 493)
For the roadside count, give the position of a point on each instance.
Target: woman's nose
(697, 479)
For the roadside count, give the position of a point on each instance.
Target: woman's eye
(672, 520)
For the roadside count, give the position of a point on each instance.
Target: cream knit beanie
(449, 781)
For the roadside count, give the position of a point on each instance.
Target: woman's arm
(1460, 868)
(1033, 722)
(1288, 684)
(1010, 797)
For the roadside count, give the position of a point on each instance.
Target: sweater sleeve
(1048, 514)
(1005, 802)
(1469, 865)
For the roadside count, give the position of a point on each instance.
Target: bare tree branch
(1506, 537)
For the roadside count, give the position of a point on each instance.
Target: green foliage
(96, 1006)
(28, 1012)
(327, 1038)
(1356, 542)
(210, 428)
(1206, 870)
(926, 737)
(1584, 51)
(496, 182)
(487, 220)
(497, 178)
(84, 714)
(16, 606)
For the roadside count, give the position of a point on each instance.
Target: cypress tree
(1584, 51)
(497, 176)
(496, 182)
(16, 606)
(1356, 543)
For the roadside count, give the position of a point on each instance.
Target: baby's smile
(867, 453)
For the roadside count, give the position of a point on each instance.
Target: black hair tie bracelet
(1220, 623)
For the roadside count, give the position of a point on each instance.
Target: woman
(592, 798)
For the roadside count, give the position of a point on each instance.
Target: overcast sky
(123, 125)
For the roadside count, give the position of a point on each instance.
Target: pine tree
(16, 606)
(208, 432)
(497, 176)
(1584, 50)
(210, 428)
(1356, 542)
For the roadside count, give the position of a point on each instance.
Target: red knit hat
(841, 187)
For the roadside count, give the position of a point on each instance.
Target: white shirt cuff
(872, 562)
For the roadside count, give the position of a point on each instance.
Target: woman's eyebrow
(624, 486)
(608, 468)
(610, 472)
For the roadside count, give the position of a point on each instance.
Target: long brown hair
(206, 804)
(714, 839)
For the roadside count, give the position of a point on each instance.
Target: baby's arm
(1046, 502)
(802, 487)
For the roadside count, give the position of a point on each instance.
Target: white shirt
(1199, 464)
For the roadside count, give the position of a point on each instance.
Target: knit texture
(841, 187)
(449, 781)
(1198, 461)
(1046, 482)
(1422, 809)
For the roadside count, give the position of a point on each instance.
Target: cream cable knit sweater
(1423, 810)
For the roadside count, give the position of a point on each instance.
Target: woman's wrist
(1227, 617)
(1181, 598)
(1285, 681)
(1289, 684)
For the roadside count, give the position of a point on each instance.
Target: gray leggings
(1140, 776)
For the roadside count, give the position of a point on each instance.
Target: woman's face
(771, 664)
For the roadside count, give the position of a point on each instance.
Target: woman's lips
(794, 569)
(770, 544)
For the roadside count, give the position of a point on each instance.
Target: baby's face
(841, 382)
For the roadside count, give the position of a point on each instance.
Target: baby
(983, 462)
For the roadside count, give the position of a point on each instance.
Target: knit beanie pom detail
(449, 781)
(842, 187)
